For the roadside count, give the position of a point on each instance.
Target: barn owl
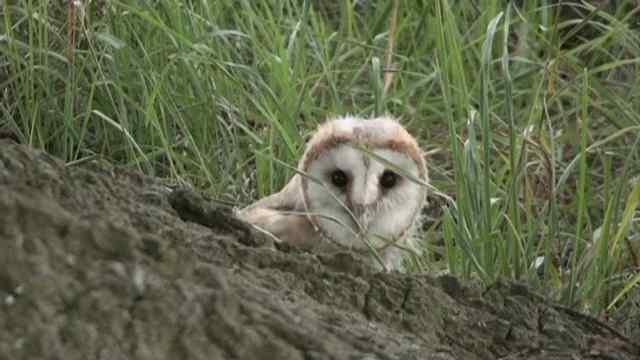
(359, 185)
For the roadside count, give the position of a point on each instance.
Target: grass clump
(529, 112)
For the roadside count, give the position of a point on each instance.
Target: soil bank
(98, 262)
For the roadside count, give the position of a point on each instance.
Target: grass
(529, 112)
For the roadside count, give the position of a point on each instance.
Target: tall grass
(530, 112)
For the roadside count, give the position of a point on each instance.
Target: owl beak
(359, 216)
(361, 201)
(358, 211)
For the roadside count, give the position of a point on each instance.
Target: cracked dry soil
(98, 262)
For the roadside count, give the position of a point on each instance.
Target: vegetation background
(528, 111)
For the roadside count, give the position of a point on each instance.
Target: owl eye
(339, 178)
(388, 179)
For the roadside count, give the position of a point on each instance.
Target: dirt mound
(98, 262)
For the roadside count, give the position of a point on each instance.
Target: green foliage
(529, 112)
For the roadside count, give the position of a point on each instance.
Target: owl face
(358, 182)
(356, 185)
(352, 195)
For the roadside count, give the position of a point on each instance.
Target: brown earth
(98, 262)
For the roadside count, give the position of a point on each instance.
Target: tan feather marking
(402, 143)
(292, 229)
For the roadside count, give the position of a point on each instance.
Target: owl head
(359, 186)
